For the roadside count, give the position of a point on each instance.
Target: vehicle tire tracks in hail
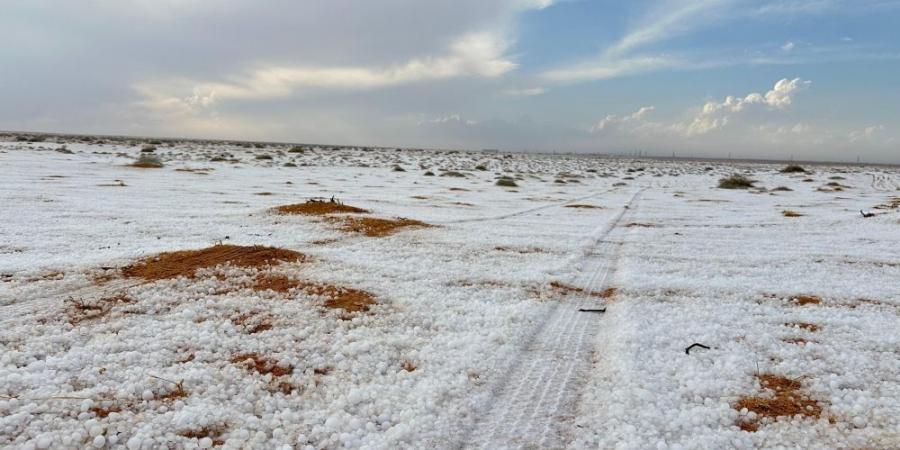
(533, 405)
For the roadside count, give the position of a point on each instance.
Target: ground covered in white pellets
(271, 296)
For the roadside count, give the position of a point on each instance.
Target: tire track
(534, 404)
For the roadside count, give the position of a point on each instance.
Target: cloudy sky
(812, 79)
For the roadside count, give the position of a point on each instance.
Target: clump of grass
(481, 167)
(782, 189)
(264, 157)
(429, 173)
(735, 182)
(793, 168)
(453, 173)
(789, 213)
(398, 168)
(296, 149)
(506, 182)
(148, 161)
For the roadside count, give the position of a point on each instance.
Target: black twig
(598, 310)
(687, 351)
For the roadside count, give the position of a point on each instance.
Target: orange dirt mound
(806, 300)
(277, 283)
(261, 364)
(348, 299)
(787, 400)
(375, 227)
(185, 263)
(318, 208)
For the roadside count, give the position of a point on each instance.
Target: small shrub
(481, 167)
(266, 157)
(735, 182)
(397, 168)
(296, 149)
(148, 161)
(148, 148)
(429, 174)
(453, 173)
(783, 189)
(289, 164)
(793, 168)
(506, 182)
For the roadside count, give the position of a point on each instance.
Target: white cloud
(451, 119)
(475, 54)
(620, 123)
(606, 68)
(716, 115)
(788, 46)
(710, 117)
(673, 18)
(866, 133)
(523, 92)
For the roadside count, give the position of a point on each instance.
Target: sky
(801, 79)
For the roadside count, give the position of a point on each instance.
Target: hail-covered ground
(470, 334)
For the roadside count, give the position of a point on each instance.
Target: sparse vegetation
(735, 182)
(793, 168)
(148, 161)
(506, 182)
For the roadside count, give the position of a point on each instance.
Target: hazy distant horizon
(771, 80)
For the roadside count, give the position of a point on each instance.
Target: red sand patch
(186, 263)
(375, 227)
(274, 282)
(784, 400)
(261, 364)
(348, 299)
(803, 300)
(318, 208)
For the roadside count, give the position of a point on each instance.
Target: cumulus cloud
(627, 123)
(788, 46)
(715, 115)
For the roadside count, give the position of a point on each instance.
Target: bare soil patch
(566, 290)
(789, 213)
(318, 208)
(185, 263)
(261, 364)
(784, 399)
(275, 282)
(80, 310)
(584, 206)
(376, 227)
(804, 326)
(348, 299)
